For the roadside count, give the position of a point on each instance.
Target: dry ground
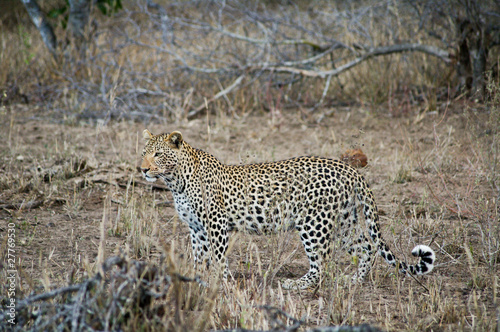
(75, 195)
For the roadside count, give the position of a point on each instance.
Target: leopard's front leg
(201, 247)
(219, 241)
(213, 215)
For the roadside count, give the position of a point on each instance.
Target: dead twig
(224, 92)
(32, 204)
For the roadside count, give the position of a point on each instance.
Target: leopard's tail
(426, 255)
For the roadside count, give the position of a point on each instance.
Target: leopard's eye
(157, 154)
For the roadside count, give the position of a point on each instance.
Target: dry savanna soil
(76, 198)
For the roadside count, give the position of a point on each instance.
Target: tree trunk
(37, 17)
(478, 53)
(472, 57)
(79, 12)
(464, 67)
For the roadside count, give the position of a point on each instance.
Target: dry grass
(94, 204)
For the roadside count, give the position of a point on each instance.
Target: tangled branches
(175, 60)
(122, 289)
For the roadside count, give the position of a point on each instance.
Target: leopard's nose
(144, 170)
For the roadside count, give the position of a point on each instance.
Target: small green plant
(26, 50)
(106, 7)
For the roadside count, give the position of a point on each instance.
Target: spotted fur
(318, 197)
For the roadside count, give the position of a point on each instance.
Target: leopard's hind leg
(355, 240)
(315, 235)
(361, 249)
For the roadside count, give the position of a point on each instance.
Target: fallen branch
(33, 204)
(384, 50)
(48, 295)
(108, 264)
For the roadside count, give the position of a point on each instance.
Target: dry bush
(171, 60)
(119, 296)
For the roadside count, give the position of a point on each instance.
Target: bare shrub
(173, 60)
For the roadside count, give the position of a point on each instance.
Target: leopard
(321, 199)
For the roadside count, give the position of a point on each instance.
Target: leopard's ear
(147, 134)
(174, 140)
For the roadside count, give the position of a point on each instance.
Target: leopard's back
(269, 197)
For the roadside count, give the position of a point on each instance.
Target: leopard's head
(160, 156)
